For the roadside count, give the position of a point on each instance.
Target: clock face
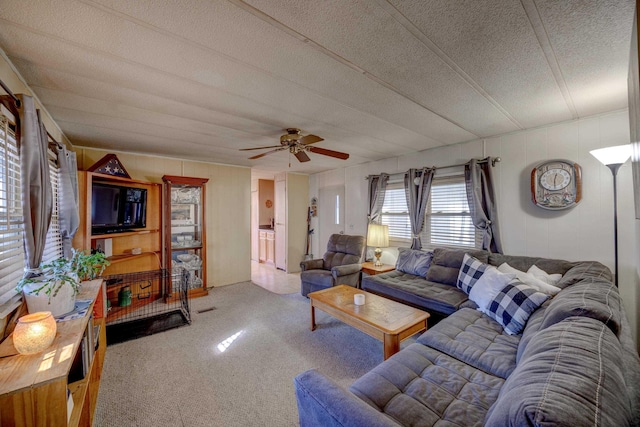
(555, 179)
(556, 184)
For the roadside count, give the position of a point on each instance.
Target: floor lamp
(614, 158)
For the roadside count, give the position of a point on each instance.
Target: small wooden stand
(33, 389)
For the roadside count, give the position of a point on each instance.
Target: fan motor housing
(292, 136)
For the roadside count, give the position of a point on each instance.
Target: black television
(117, 208)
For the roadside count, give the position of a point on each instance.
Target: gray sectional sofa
(574, 364)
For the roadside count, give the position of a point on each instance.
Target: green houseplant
(88, 266)
(54, 290)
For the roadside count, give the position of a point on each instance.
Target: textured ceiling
(201, 79)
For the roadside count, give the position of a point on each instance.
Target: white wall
(584, 232)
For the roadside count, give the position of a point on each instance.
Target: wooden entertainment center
(123, 260)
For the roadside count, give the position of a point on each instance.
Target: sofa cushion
(475, 339)
(591, 297)
(470, 272)
(416, 291)
(531, 280)
(524, 263)
(569, 375)
(412, 261)
(446, 264)
(488, 286)
(513, 305)
(584, 270)
(549, 279)
(421, 386)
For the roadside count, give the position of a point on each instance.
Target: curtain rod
(6, 89)
(493, 163)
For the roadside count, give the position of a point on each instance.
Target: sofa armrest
(312, 264)
(344, 270)
(321, 402)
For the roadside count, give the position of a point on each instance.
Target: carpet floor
(233, 366)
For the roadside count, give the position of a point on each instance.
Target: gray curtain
(37, 198)
(69, 217)
(417, 186)
(377, 187)
(482, 202)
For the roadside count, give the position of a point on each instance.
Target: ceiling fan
(298, 145)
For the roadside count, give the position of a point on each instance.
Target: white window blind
(447, 221)
(11, 219)
(53, 245)
(395, 213)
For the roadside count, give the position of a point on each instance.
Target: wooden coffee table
(388, 321)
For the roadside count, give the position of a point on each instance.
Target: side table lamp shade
(34, 332)
(378, 236)
(613, 158)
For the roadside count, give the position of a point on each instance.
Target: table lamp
(378, 236)
(614, 158)
(34, 332)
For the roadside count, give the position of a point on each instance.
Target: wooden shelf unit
(148, 239)
(34, 389)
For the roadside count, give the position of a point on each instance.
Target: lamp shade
(615, 155)
(34, 332)
(378, 235)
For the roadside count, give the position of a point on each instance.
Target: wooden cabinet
(266, 246)
(271, 241)
(262, 250)
(133, 250)
(33, 391)
(185, 234)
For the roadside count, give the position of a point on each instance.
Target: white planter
(62, 303)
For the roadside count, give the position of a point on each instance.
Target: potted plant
(54, 290)
(88, 266)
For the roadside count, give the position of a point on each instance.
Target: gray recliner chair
(340, 265)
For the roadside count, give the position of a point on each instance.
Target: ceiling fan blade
(325, 152)
(309, 139)
(260, 148)
(302, 156)
(268, 152)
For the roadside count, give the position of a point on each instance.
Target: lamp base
(378, 254)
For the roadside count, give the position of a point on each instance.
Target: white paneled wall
(582, 233)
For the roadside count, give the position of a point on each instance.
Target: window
(447, 221)
(11, 220)
(53, 245)
(395, 213)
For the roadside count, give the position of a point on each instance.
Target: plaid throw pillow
(470, 271)
(513, 305)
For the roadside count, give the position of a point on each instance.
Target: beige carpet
(233, 366)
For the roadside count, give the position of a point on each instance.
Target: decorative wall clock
(556, 184)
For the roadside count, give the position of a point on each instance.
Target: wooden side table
(372, 270)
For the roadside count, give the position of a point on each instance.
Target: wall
(297, 205)
(227, 210)
(13, 80)
(582, 233)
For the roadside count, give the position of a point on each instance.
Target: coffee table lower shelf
(385, 320)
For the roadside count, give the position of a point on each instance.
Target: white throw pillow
(530, 280)
(550, 279)
(488, 286)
